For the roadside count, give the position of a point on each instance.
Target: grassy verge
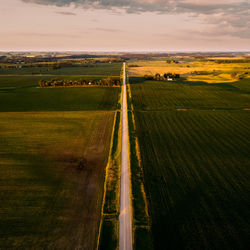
(109, 237)
(109, 228)
(141, 220)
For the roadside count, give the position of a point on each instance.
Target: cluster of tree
(96, 57)
(109, 81)
(231, 61)
(133, 65)
(4, 66)
(236, 75)
(25, 59)
(11, 64)
(57, 65)
(40, 59)
(172, 61)
(111, 60)
(162, 77)
(201, 72)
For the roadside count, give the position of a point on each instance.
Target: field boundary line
(108, 171)
(138, 154)
(105, 182)
(78, 86)
(141, 219)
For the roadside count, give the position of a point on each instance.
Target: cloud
(66, 13)
(235, 24)
(56, 35)
(227, 17)
(161, 6)
(107, 30)
(130, 6)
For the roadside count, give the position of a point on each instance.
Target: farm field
(194, 70)
(194, 145)
(125, 125)
(39, 99)
(54, 147)
(21, 93)
(52, 174)
(103, 69)
(159, 95)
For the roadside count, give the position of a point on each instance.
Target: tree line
(172, 61)
(162, 77)
(57, 65)
(52, 63)
(230, 61)
(109, 82)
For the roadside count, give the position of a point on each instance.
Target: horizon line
(126, 51)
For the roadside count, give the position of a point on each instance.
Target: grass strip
(116, 131)
(141, 220)
(109, 227)
(111, 205)
(109, 236)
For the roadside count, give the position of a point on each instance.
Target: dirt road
(125, 223)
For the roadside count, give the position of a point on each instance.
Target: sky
(125, 25)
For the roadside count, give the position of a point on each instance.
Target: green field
(155, 95)
(21, 93)
(193, 158)
(54, 146)
(59, 99)
(194, 143)
(48, 199)
(105, 69)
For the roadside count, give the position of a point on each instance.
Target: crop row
(153, 95)
(196, 177)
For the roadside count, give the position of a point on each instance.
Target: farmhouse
(162, 77)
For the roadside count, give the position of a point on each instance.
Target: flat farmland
(52, 174)
(194, 70)
(21, 93)
(58, 99)
(103, 69)
(194, 144)
(54, 148)
(184, 67)
(158, 95)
